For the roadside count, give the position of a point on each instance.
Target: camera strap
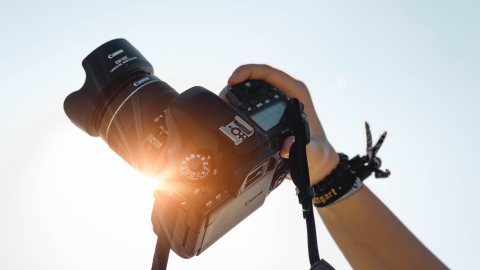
(301, 177)
(164, 218)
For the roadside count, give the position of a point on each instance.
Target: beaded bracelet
(335, 185)
(347, 177)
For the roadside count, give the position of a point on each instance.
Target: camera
(222, 159)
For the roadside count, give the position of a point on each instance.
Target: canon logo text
(137, 83)
(110, 56)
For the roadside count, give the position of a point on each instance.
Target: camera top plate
(264, 105)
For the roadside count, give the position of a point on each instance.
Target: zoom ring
(126, 132)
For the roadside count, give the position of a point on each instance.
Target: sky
(408, 67)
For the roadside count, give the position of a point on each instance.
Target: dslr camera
(222, 160)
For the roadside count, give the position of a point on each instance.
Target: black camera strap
(301, 177)
(164, 218)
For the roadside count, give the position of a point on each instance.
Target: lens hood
(107, 68)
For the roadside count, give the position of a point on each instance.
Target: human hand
(322, 158)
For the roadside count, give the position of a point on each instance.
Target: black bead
(329, 179)
(336, 173)
(342, 167)
(321, 186)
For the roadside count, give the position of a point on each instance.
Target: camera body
(222, 160)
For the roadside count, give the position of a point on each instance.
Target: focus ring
(125, 133)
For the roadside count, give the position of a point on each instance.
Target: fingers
(223, 96)
(287, 84)
(287, 143)
(285, 151)
(279, 79)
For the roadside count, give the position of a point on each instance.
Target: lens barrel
(121, 100)
(128, 120)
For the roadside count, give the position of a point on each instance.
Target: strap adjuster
(308, 192)
(307, 132)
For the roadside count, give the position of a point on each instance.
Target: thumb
(287, 143)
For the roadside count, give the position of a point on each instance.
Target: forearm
(371, 237)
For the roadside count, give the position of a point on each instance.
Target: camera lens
(122, 101)
(136, 113)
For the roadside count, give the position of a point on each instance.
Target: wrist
(324, 167)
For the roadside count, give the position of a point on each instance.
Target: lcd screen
(270, 116)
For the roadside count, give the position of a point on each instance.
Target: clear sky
(408, 67)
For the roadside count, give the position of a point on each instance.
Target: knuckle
(250, 66)
(301, 84)
(266, 66)
(244, 66)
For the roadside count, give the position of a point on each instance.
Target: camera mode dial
(195, 166)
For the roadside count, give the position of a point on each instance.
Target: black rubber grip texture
(126, 132)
